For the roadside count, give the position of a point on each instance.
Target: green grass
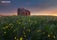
(28, 28)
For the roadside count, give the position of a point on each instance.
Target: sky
(36, 7)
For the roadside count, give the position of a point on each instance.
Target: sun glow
(45, 13)
(36, 14)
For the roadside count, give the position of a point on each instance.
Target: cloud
(5, 1)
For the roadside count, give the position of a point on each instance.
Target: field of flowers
(28, 28)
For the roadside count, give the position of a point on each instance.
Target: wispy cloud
(5, 1)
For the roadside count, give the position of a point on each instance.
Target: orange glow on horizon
(45, 13)
(9, 14)
(39, 13)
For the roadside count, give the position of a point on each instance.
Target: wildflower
(38, 30)
(21, 38)
(14, 30)
(24, 27)
(3, 27)
(35, 21)
(6, 26)
(12, 27)
(24, 32)
(4, 32)
(43, 32)
(15, 38)
(24, 35)
(10, 24)
(29, 20)
(29, 30)
(54, 36)
(19, 22)
(48, 35)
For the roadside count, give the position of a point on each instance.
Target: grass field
(28, 28)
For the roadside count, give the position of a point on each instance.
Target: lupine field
(28, 28)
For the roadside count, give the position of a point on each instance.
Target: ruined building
(22, 11)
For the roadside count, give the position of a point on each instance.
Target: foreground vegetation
(28, 28)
